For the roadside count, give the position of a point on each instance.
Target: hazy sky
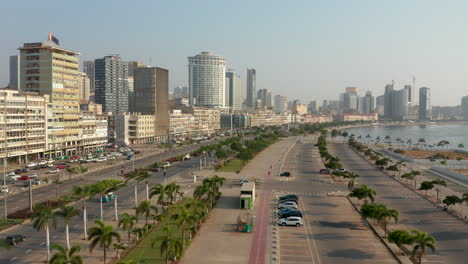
(303, 49)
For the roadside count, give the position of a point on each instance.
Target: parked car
(37, 181)
(11, 174)
(18, 171)
(166, 164)
(291, 221)
(54, 170)
(32, 164)
(291, 213)
(129, 157)
(15, 177)
(342, 170)
(23, 178)
(324, 171)
(285, 210)
(61, 167)
(289, 196)
(4, 189)
(15, 239)
(288, 204)
(186, 157)
(42, 162)
(290, 199)
(285, 174)
(25, 170)
(243, 181)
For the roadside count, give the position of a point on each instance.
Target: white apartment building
(207, 80)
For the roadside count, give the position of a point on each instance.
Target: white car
(33, 175)
(42, 162)
(54, 171)
(4, 189)
(291, 221)
(32, 164)
(342, 170)
(16, 177)
(11, 174)
(166, 164)
(287, 205)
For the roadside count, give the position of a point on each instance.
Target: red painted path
(258, 249)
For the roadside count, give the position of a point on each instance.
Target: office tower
(233, 90)
(132, 65)
(251, 98)
(131, 94)
(380, 103)
(262, 95)
(280, 104)
(424, 103)
(352, 90)
(388, 103)
(464, 107)
(313, 107)
(83, 86)
(400, 104)
(268, 102)
(350, 103)
(14, 72)
(48, 69)
(111, 84)
(181, 92)
(151, 85)
(88, 68)
(410, 92)
(366, 103)
(207, 74)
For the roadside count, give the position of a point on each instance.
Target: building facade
(207, 73)
(464, 107)
(233, 91)
(280, 104)
(251, 98)
(14, 72)
(88, 68)
(111, 84)
(23, 124)
(84, 86)
(152, 96)
(424, 103)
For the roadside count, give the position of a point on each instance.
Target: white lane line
(41, 243)
(50, 195)
(54, 237)
(313, 240)
(27, 251)
(76, 225)
(13, 259)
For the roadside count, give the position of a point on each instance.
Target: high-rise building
(181, 92)
(380, 104)
(88, 68)
(410, 93)
(264, 97)
(281, 104)
(131, 94)
(14, 72)
(233, 90)
(401, 104)
(207, 74)
(464, 106)
(251, 98)
(313, 107)
(424, 103)
(268, 102)
(366, 103)
(83, 86)
(388, 97)
(152, 96)
(132, 65)
(111, 84)
(48, 69)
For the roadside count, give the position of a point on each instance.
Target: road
(33, 249)
(415, 211)
(20, 200)
(333, 232)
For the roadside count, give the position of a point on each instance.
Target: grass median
(233, 165)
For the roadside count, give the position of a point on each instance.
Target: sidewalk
(217, 241)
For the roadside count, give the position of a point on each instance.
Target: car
(11, 174)
(15, 239)
(290, 199)
(33, 175)
(289, 196)
(32, 164)
(243, 181)
(108, 197)
(291, 221)
(37, 181)
(16, 177)
(324, 171)
(61, 167)
(4, 189)
(166, 164)
(186, 157)
(50, 165)
(23, 178)
(54, 170)
(285, 210)
(342, 170)
(129, 157)
(25, 170)
(17, 171)
(285, 174)
(288, 204)
(42, 162)
(291, 213)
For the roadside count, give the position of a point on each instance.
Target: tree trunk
(105, 256)
(147, 190)
(136, 195)
(167, 256)
(115, 208)
(102, 213)
(183, 237)
(84, 220)
(47, 242)
(67, 236)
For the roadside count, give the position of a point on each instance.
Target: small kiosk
(247, 195)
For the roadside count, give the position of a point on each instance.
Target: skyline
(362, 44)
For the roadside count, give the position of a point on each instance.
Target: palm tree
(144, 175)
(169, 244)
(385, 215)
(162, 192)
(67, 213)
(133, 176)
(66, 256)
(409, 142)
(71, 170)
(400, 237)
(114, 186)
(43, 219)
(127, 222)
(82, 169)
(103, 235)
(426, 185)
(117, 247)
(184, 218)
(452, 199)
(421, 141)
(352, 176)
(439, 182)
(144, 208)
(421, 241)
(363, 192)
(83, 192)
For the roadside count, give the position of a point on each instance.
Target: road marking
(27, 251)
(13, 259)
(76, 225)
(310, 232)
(41, 243)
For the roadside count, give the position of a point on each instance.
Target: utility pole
(30, 198)
(4, 184)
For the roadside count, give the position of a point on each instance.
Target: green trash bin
(248, 228)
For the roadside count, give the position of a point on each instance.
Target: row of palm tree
(419, 240)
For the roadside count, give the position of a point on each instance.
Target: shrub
(400, 151)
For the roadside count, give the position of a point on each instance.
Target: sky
(304, 49)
